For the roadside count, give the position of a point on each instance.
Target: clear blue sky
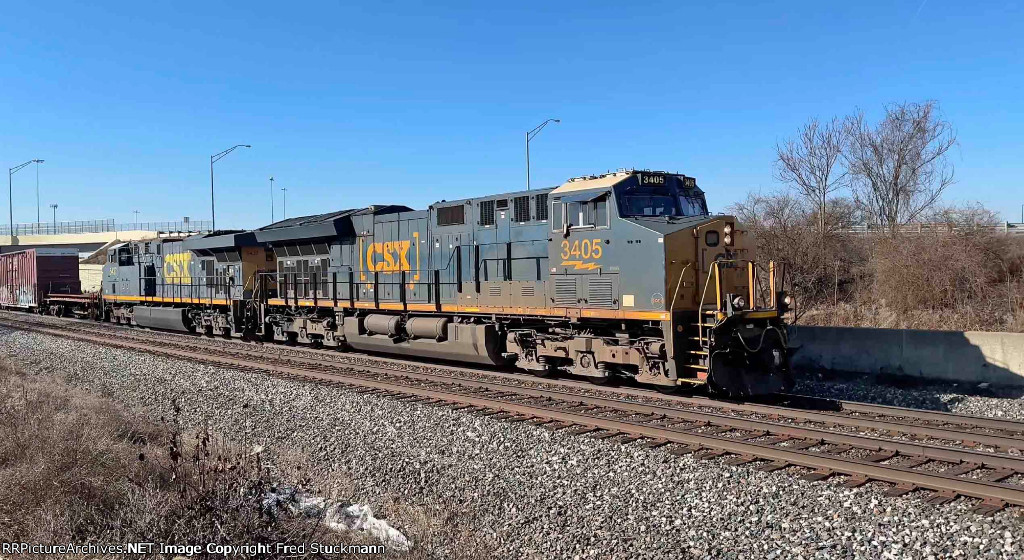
(396, 102)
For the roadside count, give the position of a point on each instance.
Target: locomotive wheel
(547, 372)
(669, 389)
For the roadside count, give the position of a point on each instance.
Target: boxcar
(28, 277)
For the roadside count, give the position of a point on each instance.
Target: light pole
(284, 203)
(214, 159)
(136, 212)
(10, 190)
(271, 200)
(54, 206)
(38, 161)
(529, 136)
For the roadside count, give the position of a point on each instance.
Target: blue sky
(401, 102)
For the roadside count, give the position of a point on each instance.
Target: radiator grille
(527, 291)
(600, 292)
(494, 291)
(565, 291)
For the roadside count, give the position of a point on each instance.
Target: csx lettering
(586, 249)
(176, 268)
(389, 256)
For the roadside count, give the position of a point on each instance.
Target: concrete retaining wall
(971, 357)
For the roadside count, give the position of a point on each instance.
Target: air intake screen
(540, 202)
(487, 213)
(521, 209)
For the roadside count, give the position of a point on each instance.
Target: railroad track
(950, 455)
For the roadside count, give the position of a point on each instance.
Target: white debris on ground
(531, 493)
(336, 516)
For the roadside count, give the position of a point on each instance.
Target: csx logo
(389, 256)
(176, 268)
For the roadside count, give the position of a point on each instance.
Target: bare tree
(899, 168)
(809, 163)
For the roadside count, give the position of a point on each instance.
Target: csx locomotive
(624, 274)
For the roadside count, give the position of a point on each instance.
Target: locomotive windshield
(659, 198)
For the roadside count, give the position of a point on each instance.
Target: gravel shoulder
(530, 492)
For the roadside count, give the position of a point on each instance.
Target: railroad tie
(740, 460)
(856, 481)
(710, 454)
(818, 474)
(773, 466)
(940, 497)
(655, 443)
(607, 434)
(962, 468)
(998, 474)
(680, 450)
(881, 455)
(900, 489)
(989, 506)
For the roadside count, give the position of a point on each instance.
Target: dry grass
(80, 469)
(966, 278)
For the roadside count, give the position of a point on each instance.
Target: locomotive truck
(624, 274)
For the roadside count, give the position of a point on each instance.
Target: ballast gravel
(973, 399)
(531, 492)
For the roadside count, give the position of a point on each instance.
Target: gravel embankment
(534, 493)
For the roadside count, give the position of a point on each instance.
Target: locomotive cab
(699, 309)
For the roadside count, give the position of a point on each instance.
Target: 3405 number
(585, 249)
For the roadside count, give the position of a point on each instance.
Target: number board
(689, 182)
(652, 180)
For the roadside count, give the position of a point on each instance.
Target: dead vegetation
(956, 275)
(961, 277)
(79, 469)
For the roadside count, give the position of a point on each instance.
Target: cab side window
(593, 213)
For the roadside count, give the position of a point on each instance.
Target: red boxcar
(26, 277)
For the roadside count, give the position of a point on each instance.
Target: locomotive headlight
(728, 229)
(728, 240)
(788, 300)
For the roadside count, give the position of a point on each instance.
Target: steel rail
(1001, 442)
(993, 493)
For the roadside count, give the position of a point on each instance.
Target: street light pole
(38, 161)
(54, 206)
(10, 191)
(136, 212)
(214, 159)
(284, 203)
(529, 136)
(272, 200)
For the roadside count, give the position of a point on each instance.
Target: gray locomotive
(618, 275)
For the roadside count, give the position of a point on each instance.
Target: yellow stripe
(449, 308)
(149, 299)
(761, 314)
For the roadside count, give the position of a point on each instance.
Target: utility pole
(54, 207)
(213, 159)
(136, 212)
(284, 203)
(529, 136)
(38, 161)
(272, 200)
(10, 191)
